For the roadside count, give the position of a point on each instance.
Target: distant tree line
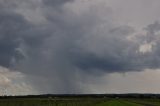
(86, 96)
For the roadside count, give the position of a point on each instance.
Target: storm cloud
(61, 41)
(55, 2)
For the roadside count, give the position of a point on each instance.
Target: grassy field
(79, 102)
(119, 103)
(149, 102)
(49, 102)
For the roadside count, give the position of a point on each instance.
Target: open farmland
(79, 101)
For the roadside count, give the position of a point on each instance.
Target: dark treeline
(86, 96)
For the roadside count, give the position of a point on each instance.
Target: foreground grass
(49, 102)
(118, 103)
(79, 102)
(152, 102)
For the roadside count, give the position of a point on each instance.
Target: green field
(118, 103)
(79, 102)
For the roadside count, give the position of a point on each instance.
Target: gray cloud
(11, 27)
(113, 52)
(72, 43)
(55, 2)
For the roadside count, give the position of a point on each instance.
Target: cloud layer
(65, 42)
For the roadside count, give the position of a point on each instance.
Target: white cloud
(146, 48)
(14, 83)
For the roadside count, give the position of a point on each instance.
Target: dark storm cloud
(15, 31)
(120, 55)
(71, 43)
(55, 2)
(113, 53)
(152, 29)
(11, 25)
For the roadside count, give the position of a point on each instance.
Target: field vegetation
(79, 101)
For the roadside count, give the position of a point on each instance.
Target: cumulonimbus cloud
(72, 41)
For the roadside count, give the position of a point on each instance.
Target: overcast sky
(79, 46)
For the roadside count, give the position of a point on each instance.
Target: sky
(79, 46)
